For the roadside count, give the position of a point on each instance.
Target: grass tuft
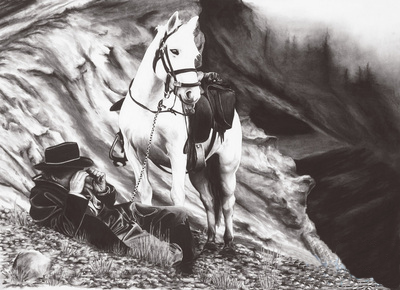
(19, 217)
(224, 280)
(268, 282)
(270, 279)
(152, 250)
(66, 248)
(19, 277)
(221, 279)
(101, 266)
(81, 237)
(55, 278)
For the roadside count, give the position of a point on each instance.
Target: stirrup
(117, 160)
(201, 156)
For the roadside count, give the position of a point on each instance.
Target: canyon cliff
(333, 104)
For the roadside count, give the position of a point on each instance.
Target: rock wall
(67, 63)
(62, 68)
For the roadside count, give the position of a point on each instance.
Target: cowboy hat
(64, 155)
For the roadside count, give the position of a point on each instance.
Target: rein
(146, 158)
(166, 110)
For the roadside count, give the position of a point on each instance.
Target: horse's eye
(175, 51)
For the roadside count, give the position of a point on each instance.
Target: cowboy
(74, 199)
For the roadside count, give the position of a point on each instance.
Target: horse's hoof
(228, 250)
(210, 246)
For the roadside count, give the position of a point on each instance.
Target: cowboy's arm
(104, 191)
(107, 197)
(49, 210)
(208, 78)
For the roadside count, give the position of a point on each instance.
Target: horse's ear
(192, 23)
(173, 22)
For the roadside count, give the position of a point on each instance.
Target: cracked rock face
(277, 208)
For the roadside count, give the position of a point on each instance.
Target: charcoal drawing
(289, 110)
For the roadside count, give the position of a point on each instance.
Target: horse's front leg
(178, 168)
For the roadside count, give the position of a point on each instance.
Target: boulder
(30, 264)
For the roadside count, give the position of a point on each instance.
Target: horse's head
(175, 60)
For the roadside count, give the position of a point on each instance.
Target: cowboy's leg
(167, 221)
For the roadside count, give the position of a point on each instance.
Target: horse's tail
(214, 177)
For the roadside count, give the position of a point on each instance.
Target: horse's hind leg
(203, 186)
(229, 161)
(228, 180)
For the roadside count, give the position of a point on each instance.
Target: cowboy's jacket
(106, 228)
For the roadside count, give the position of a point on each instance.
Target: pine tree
(326, 58)
(294, 48)
(360, 76)
(286, 50)
(369, 78)
(346, 78)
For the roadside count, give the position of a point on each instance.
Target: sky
(371, 19)
(374, 25)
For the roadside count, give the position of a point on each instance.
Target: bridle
(162, 54)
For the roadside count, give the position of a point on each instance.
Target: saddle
(214, 111)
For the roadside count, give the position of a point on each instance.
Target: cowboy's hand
(211, 76)
(99, 180)
(77, 182)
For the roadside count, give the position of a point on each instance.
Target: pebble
(187, 280)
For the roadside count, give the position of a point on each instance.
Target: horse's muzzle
(189, 101)
(189, 109)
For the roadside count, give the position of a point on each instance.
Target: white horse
(167, 81)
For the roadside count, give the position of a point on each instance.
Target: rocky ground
(76, 264)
